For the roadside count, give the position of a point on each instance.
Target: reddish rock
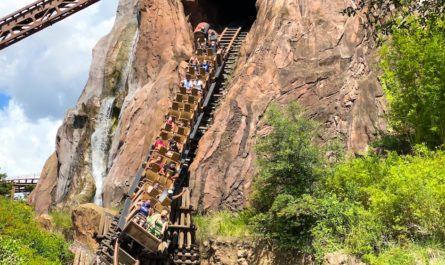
(303, 51)
(164, 40)
(143, 94)
(41, 195)
(86, 223)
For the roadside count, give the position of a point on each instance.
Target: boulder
(86, 223)
(45, 221)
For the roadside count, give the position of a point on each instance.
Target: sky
(40, 78)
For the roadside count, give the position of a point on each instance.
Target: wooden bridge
(23, 184)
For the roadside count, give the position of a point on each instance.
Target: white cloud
(25, 145)
(53, 64)
(44, 75)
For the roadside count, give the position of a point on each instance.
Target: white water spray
(100, 140)
(100, 143)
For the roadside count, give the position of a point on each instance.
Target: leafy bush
(414, 79)
(22, 241)
(5, 187)
(289, 166)
(373, 207)
(374, 204)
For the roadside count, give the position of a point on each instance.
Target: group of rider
(157, 223)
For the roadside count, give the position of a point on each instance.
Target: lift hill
(128, 241)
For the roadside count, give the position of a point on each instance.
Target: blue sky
(4, 99)
(40, 78)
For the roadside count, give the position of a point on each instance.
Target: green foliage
(376, 203)
(373, 207)
(5, 188)
(289, 167)
(22, 241)
(383, 15)
(30, 188)
(62, 221)
(224, 223)
(410, 254)
(392, 143)
(287, 160)
(414, 79)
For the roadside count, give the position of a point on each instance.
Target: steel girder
(37, 16)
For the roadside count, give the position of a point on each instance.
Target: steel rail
(37, 16)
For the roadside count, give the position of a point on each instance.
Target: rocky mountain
(297, 50)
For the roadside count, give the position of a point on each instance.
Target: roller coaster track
(37, 16)
(186, 249)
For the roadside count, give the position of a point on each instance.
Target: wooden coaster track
(183, 248)
(195, 111)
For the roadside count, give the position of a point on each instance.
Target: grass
(223, 224)
(409, 254)
(62, 221)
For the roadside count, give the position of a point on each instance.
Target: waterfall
(100, 140)
(99, 146)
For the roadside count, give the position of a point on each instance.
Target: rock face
(164, 40)
(226, 251)
(86, 222)
(136, 65)
(238, 252)
(41, 196)
(297, 50)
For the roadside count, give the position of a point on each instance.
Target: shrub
(24, 241)
(414, 78)
(373, 207)
(5, 187)
(289, 166)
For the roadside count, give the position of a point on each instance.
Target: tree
(287, 159)
(289, 165)
(5, 187)
(414, 79)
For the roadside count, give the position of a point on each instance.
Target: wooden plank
(181, 240)
(83, 258)
(125, 258)
(188, 219)
(179, 226)
(182, 222)
(189, 240)
(223, 33)
(102, 224)
(106, 225)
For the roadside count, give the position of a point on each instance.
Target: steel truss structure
(37, 16)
